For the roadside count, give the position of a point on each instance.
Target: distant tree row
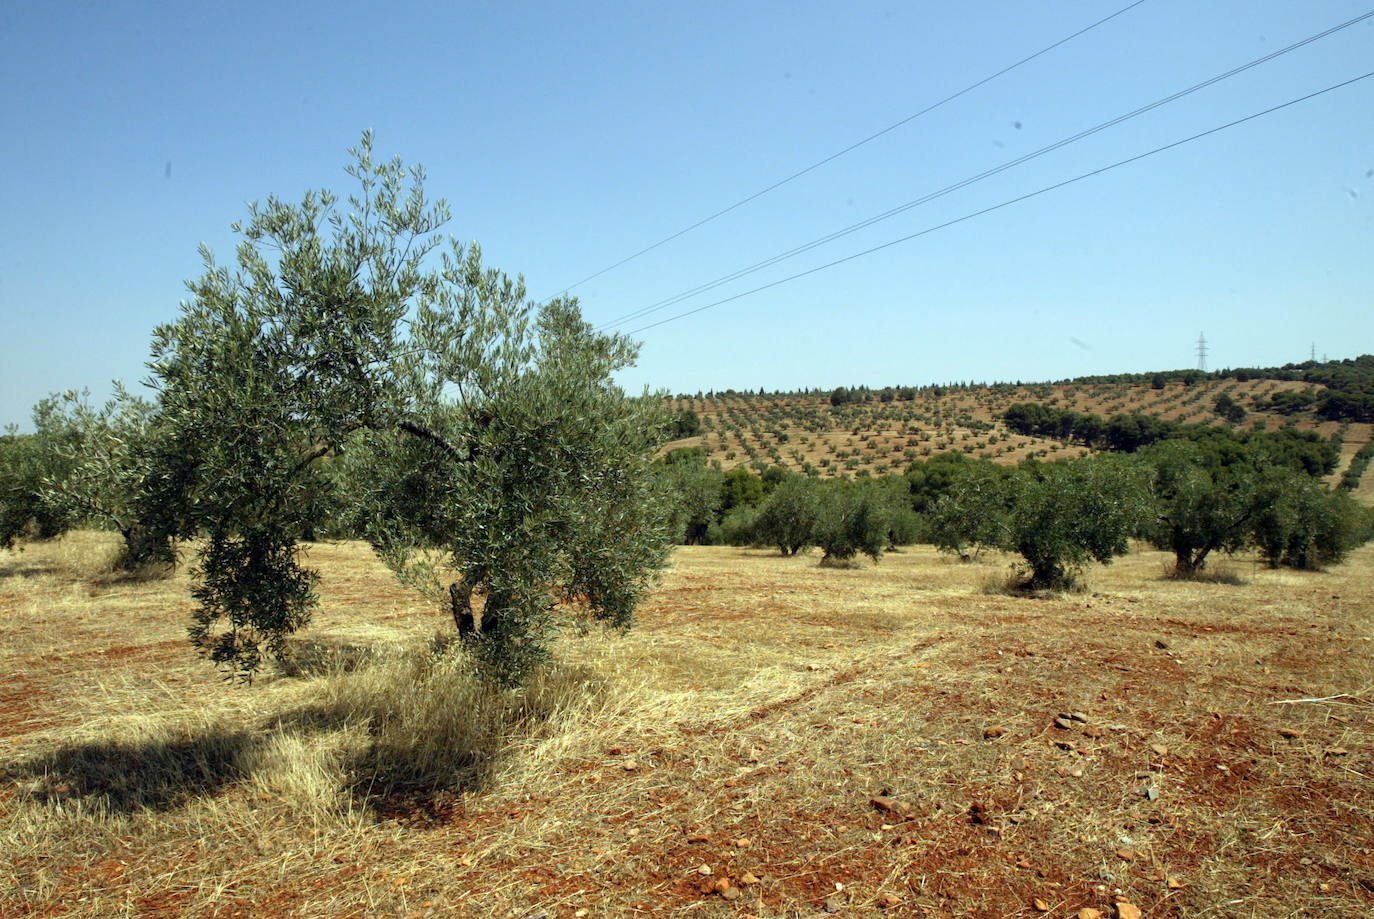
(1127, 433)
(1348, 396)
(1350, 480)
(1349, 393)
(1194, 498)
(786, 510)
(847, 396)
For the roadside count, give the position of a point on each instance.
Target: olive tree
(1303, 524)
(1067, 514)
(852, 518)
(972, 511)
(480, 437)
(789, 516)
(27, 463)
(693, 492)
(1056, 516)
(104, 454)
(1201, 507)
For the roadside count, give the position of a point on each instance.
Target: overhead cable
(996, 207)
(854, 146)
(964, 183)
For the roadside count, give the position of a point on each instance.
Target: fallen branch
(1339, 695)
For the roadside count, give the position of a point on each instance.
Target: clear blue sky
(567, 136)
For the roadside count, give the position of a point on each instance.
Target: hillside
(801, 431)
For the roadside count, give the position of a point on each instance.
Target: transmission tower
(1201, 351)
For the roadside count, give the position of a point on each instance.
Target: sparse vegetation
(746, 725)
(375, 752)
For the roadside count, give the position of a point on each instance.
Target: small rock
(1159, 749)
(1041, 905)
(888, 900)
(1088, 912)
(1336, 751)
(1126, 855)
(698, 837)
(721, 885)
(1063, 723)
(748, 878)
(1080, 717)
(1126, 910)
(1173, 883)
(992, 732)
(1161, 644)
(704, 870)
(813, 667)
(889, 805)
(832, 905)
(743, 842)
(731, 893)
(1149, 792)
(630, 765)
(1289, 733)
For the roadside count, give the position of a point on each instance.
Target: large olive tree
(479, 438)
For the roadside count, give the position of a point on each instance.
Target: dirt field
(772, 739)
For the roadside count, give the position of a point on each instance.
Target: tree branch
(318, 453)
(419, 430)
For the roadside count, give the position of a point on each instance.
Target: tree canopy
(482, 437)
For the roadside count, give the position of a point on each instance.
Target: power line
(854, 146)
(964, 183)
(1007, 203)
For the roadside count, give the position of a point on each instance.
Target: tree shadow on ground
(13, 565)
(124, 777)
(407, 758)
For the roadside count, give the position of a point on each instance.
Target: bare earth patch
(772, 739)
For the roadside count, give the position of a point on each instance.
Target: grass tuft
(1210, 574)
(433, 721)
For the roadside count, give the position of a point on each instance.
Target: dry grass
(744, 725)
